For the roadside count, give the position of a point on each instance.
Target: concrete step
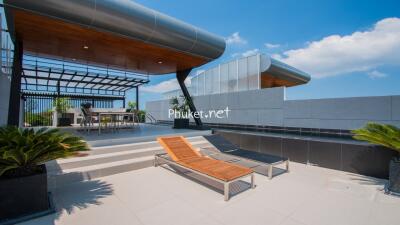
(196, 141)
(108, 160)
(111, 155)
(67, 176)
(70, 163)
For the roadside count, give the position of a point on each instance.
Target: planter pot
(63, 122)
(22, 196)
(394, 176)
(181, 123)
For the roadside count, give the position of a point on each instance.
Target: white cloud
(164, 86)
(375, 74)
(270, 45)
(246, 53)
(250, 52)
(357, 52)
(235, 39)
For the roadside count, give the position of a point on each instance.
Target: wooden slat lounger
(182, 154)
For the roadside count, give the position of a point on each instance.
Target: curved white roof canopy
(281, 72)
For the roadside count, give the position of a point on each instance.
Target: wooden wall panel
(268, 81)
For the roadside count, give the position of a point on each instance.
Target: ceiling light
(159, 62)
(86, 47)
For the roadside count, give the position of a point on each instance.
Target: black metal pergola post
(15, 89)
(181, 77)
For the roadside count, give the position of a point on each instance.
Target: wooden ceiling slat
(48, 37)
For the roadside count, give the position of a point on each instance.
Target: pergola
(48, 77)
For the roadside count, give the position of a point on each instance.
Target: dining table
(113, 115)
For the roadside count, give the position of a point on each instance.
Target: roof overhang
(119, 34)
(275, 73)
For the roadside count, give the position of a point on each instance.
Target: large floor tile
(290, 221)
(171, 212)
(332, 208)
(241, 213)
(205, 221)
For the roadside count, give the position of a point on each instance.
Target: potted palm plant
(61, 106)
(389, 137)
(181, 108)
(23, 176)
(132, 108)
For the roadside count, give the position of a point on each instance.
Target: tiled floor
(306, 196)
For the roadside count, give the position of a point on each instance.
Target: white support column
(55, 118)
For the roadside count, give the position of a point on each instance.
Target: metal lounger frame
(270, 165)
(159, 157)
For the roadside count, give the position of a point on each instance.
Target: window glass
(252, 72)
(215, 80)
(232, 77)
(243, 81)
(194, 85)
(208, 82)
(224, 77)
(200, 89)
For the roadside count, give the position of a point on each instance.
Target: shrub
(61, 105)
(180, 106)
(141, 114)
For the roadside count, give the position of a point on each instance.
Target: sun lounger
(182, 154)
(223, 146)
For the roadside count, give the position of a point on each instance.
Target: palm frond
(29, 147)
(380, 134)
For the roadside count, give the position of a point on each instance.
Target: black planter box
(394, 176)
(63, 122)
(22, 196)
(181, 123)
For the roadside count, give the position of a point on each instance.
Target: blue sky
(276, 27)
(350, 48)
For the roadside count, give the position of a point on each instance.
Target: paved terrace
(307, 195)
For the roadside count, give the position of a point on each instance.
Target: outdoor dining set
(107, 119)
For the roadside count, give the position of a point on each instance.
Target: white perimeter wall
(268, 107)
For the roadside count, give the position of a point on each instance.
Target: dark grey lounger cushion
(227, 147)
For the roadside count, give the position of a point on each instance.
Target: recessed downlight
(86, 47)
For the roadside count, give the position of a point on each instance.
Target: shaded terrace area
(44, 81)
